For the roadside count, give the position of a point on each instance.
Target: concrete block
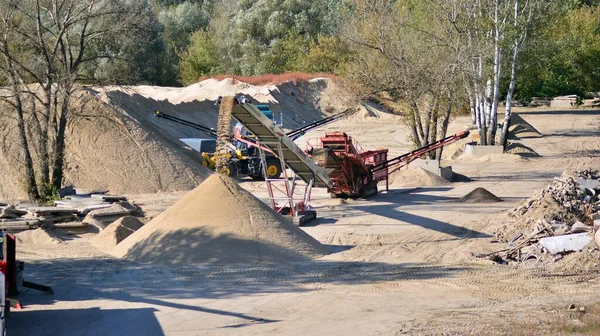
(478, 151)
(567, 243)
(430, 165)
(433, 166)
(447, 173)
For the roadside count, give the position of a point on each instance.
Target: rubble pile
(559, 219)
(78, 210)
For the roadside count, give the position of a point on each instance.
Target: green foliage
(263, 36)
(179, 21)
(326, 54)
(566, 57)
(133, 57)
(200, 58)
(51, 194)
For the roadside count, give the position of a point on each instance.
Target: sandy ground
(401, 263)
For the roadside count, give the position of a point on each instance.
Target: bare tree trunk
(30, 183)
(493, 123)
(481, 102)
(444, 128)
(59, 152)
(472, 105)
(415, 121)
(431, 106)
(513, 75)
(433, 134)
(419, 124)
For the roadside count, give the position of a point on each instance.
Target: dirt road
(401, 263)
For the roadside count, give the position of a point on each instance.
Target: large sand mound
(480, 195)
(115, 233)
(115, 142)
(416, 177)
(219, 223)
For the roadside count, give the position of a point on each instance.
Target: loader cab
(266, 110)
(208, 146)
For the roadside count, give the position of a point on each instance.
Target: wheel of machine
(233, 170)
(273, 168)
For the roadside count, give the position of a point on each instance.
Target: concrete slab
(566, 243)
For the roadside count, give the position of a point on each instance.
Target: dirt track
(402, 264)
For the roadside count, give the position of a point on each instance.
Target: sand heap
(219, 223)
(115, 233)
(480, 195)
(115, 142)
(416, 177)
(37, 237)
(519, 128)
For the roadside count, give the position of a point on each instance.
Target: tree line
(423, 59)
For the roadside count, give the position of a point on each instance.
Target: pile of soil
(115, 233)
(416, 177)
(115, 142)
(37, 237)
(520, 149)
(480, 195)
(519, 128)
(501, 158)
(561, 204)
(219, 223)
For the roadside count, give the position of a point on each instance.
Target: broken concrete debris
(559, 219)
(73, 211)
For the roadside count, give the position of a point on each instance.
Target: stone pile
(559, 219)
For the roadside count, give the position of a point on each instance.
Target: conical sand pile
(219, 223)
(480, 195)
(116, 232)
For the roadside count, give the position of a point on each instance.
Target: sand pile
(115, 233)
(480, 195)
(37, 237)
(115, 142)
(520, 129)
(520, 149)
(219, 223)
(416, 177)
(499, 158)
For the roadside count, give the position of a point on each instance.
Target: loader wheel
(273, 168)
(233, 171)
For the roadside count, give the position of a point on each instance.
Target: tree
(253, 34)
(200, 58)
(564, 59)
(488, 31)
(179, 20)
(403, 62)
(44, 46)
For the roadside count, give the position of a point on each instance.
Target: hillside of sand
(115, 142)
(219, 223)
